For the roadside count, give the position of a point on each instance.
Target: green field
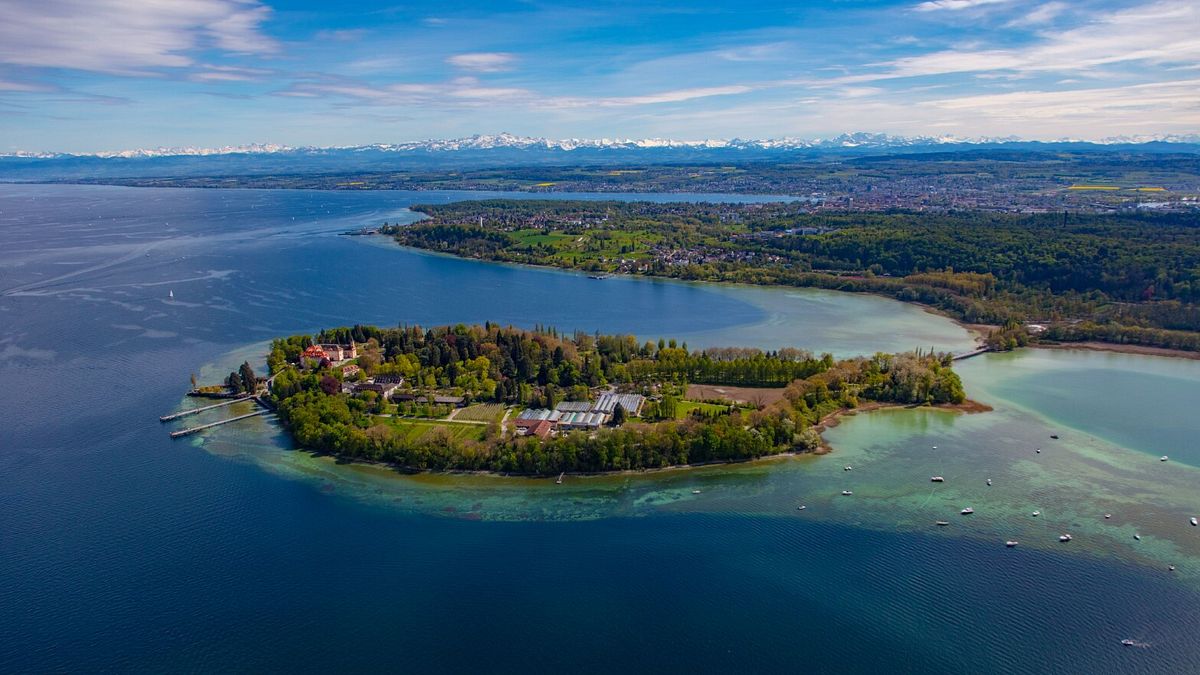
(481, 412)
(414, 430)
(685, 408)
(589, 245)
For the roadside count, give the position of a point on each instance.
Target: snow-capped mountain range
(506, 141)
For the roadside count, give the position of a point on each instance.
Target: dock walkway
(193, 411)
(202, 427)
(967, 355)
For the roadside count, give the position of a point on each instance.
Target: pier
(202, 427)
(967, 355)
(193, 411)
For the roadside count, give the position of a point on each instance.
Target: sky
(95, 75)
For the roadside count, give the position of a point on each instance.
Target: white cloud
(1158, 33)
(1161, 107)
(126, 38)
(674, 96)
(953, 5)
(483, 62)
(229, 74)
(1044, 13)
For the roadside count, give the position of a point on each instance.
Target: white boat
(1138, 537)
(989, 481)
(1163, 458)
(1011, 543)
(1107, 516)
(942, 523)
(560, 477)
(171, 294)
(847, 493)
(1039, 451)
(695, 492)
(801, 507)
(1036, 514)
(967, 511)
(937, 479)
(1170, 568)
(1064, 537)
(1128, 643)
(935, 447)
(848, 468)
(1192, 520)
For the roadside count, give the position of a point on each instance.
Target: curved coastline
(831, 420)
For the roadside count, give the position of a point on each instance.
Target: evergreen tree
(619, 415)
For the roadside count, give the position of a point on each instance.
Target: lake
(123, 550)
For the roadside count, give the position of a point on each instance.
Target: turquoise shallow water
(122, 550)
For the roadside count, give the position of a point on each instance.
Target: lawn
(413, 430)
(685, 408)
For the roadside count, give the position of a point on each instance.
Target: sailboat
(170, 295)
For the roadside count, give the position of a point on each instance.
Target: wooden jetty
(202, 427)
(967, 355)
(193, 411)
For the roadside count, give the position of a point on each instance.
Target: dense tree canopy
(536, 367)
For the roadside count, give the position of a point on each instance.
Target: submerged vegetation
(379, 406)
(1112, 277)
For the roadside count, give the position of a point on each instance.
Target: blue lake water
(123, 550)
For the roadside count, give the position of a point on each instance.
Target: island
(539, 402)
(1126, 278)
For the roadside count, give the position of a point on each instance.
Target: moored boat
(967, 511)
(937, 479)
(1064, 537)
(1011, 543)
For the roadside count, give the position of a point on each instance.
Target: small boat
(989, 481)
(1036, 514)
(1138, 537)
(1170, 568)
(848, 468)
(695, 492)
(1192, 520)
(801, 507)
(1039, 451)
(171, 294)
(1011, 543)
(967, 511)
(935, 447)
(1054, 436)
(1064, 537)
(560, 477)
(937, 479)
(942, 523)
(847, 493)
(1128, 643)
(1163, 458)
(1107, 516)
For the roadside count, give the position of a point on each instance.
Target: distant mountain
(506, 150)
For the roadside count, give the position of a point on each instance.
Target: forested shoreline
(1121, 278)
(516, 369)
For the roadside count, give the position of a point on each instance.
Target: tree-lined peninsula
(538, 402)
(1115, 277)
